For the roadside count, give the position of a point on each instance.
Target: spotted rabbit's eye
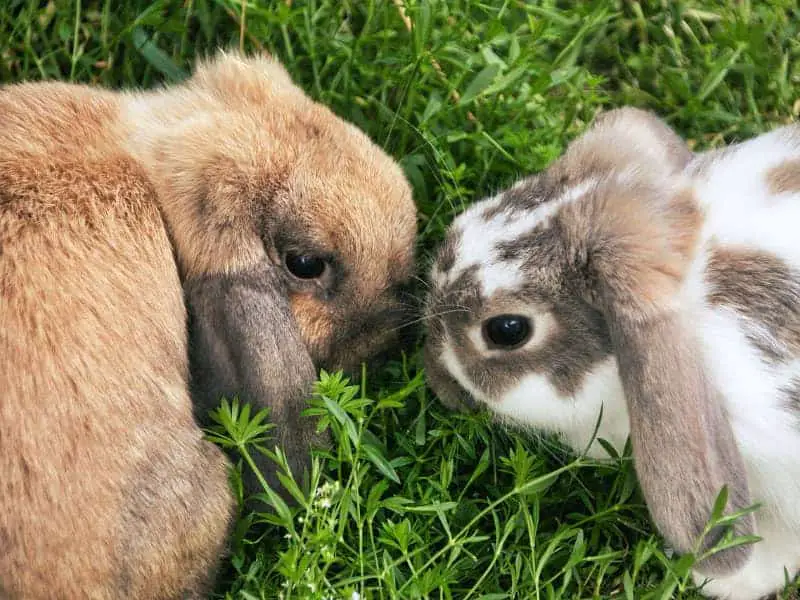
(305, 266)
(506, 332)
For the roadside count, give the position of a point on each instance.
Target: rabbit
(159, 248)
(649, 291)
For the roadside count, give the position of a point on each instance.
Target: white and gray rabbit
(663, 287)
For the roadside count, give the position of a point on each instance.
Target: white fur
(480, 239)
(453, 365)
(764, 572)
(742, 213)
(535, 402)
(739, 212)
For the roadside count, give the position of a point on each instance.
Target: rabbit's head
(562, 296)
(257, 177)
(292, 231)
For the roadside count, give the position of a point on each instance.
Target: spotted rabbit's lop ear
(635, 240)
(626, 138)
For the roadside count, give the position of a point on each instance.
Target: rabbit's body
(109, 490)
(233, 202)
(744, 290)
(728, 275)
(746, 287)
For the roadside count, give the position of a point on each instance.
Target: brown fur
(638, 266)
(110, 204)
(262, 161)
(107, 489)
(792, 393)
(763, 288)
(785, 178)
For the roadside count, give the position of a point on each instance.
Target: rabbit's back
(747, 285)
(100, 458)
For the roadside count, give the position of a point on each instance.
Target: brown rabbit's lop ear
(245, 342)
(239, 78)
(637, 243)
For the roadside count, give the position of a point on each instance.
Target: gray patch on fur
(681, 436)
(446, 255)
(791, 392)
(765, 291)
(529, 194)
(245, 342)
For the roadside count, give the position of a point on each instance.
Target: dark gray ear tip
(729, 560)
(725, 562)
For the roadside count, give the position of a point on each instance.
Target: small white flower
(355, 596)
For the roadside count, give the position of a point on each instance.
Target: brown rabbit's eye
(507, 331)
(305, 266)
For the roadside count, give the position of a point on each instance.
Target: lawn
(414, 501)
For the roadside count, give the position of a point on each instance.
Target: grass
(413, 501)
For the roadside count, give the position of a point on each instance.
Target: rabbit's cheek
(340, 337)
(315, 323)
(447, 389)
(365, 334)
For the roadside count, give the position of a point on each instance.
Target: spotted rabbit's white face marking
(535, 402)
(487, 225)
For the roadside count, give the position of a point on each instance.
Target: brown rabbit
(233, 202)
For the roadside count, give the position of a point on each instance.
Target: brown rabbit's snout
(375, 333)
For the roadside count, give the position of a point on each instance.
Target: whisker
(457, 307)
(413, 304)
(424, 318)
(425, 283)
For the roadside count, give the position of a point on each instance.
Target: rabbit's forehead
(497, 239)
(363, 210)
